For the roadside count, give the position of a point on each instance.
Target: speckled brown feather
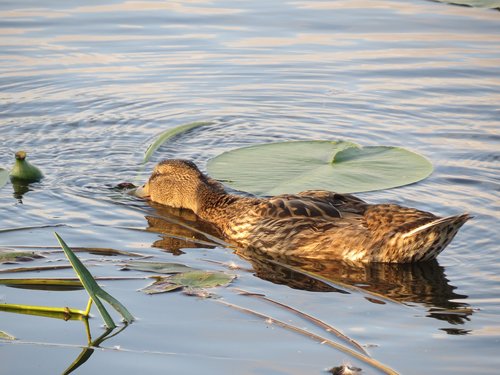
(313, 224)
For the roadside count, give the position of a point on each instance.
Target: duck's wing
(312, 204)
(392, 217)
(344, 203)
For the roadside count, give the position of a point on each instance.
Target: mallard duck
(313, 224)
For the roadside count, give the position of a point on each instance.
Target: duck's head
(178, 183)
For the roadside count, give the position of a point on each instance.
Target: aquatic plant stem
(64, 313)
(370, 361)
(312, 319)
(89, 306)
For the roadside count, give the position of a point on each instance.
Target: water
(86, 86)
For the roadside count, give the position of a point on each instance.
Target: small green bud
(24, 171)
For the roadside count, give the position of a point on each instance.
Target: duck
(313, 224)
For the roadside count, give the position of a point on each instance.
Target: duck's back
(327, 225)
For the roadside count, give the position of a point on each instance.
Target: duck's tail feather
(428, 240)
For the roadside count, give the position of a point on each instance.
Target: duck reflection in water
(420, 283)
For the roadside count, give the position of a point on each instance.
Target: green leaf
(94, 290)
(170, 133)
(6, 336)
(4, 176)
(191, 279)
(291, 167)
(157, 267)
(64, 313)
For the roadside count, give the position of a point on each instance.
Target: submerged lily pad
(291, 167)
(158, 267)
(191, 279)
(7, 256)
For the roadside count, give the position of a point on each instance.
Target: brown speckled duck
(313, 224)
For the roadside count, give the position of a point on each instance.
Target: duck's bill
(141, 192)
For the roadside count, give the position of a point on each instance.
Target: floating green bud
(24, 171)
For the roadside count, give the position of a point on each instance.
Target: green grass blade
(108, 320)
(64, 313)
(87, 280)
(166, 135)
(83, 273)
(117, 305)
(92, 288)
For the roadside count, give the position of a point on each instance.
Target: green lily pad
(170, 133)
(157, 267)
(191, 279)
(291, 167)
(4, 176)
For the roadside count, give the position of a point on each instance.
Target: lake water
(86, 86)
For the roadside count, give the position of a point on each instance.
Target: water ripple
(85, 88)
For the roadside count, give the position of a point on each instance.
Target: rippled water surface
(85, 87)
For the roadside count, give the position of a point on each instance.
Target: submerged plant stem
(312, 319)
(372, 362)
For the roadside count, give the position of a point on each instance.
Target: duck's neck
(213, 204)
(216, 205)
